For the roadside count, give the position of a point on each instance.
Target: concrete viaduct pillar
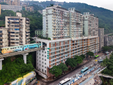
(1, 63)
(25, 57)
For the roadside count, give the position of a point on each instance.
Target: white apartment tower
(90, 24)
(18, 29)
(3, 37)
(60, 23)
(65, 28)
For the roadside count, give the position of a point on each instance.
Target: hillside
(105, 16)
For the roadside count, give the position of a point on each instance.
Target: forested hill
(105, 16)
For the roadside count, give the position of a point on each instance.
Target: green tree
(106, 48)
(71, 62)
(105, 62)
(56, 71)
(83, 56)
(63, 67)
(78, 59)
(89, 53)
(111, 81)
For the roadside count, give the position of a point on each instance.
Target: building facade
(108, 40)
(18, 29)
(101, 38)
(3, 37)
(38, 33)
(65, 28)
(90, 24)
(60, 23)
(11, 2)
(11, 7)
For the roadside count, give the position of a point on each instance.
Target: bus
(84, 69)
(66, 80)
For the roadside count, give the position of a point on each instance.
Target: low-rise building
(3, 37)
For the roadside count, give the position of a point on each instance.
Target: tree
(78, 59)
(105, 62)
(90, 53)
(56, 71)
(106, 48)
(82, 56)
(63, 67)
(71, 62)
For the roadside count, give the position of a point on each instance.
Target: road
(75, 72)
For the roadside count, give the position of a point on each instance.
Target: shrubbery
(14, 69)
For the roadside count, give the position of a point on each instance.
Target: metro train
(11, 49)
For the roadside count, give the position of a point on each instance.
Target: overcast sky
(108, 4)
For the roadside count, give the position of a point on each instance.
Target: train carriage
(6, 50)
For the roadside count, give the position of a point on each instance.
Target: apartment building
(14, 8)
(101, 38)
(38, 32)
(90, 24)
(60, 23)
(65, 28)
(18, 29)
(108, 40)
(3, 37)
(12, 2)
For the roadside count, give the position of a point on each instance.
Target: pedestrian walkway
(84, 82)
(106, 76)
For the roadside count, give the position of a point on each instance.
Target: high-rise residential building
(65, 28)
(0, 9)
(38, 32)
(60, 23)
(108, 39)
(14, 8)
(101, 38)
(12, 2)
(90, 25)
(75, 23)
(3, 37)
(18, 29)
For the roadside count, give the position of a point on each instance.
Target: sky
(108, 4)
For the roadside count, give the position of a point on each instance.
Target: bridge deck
(106, 76)
(19, 53)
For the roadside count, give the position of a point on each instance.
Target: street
(74, 72)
